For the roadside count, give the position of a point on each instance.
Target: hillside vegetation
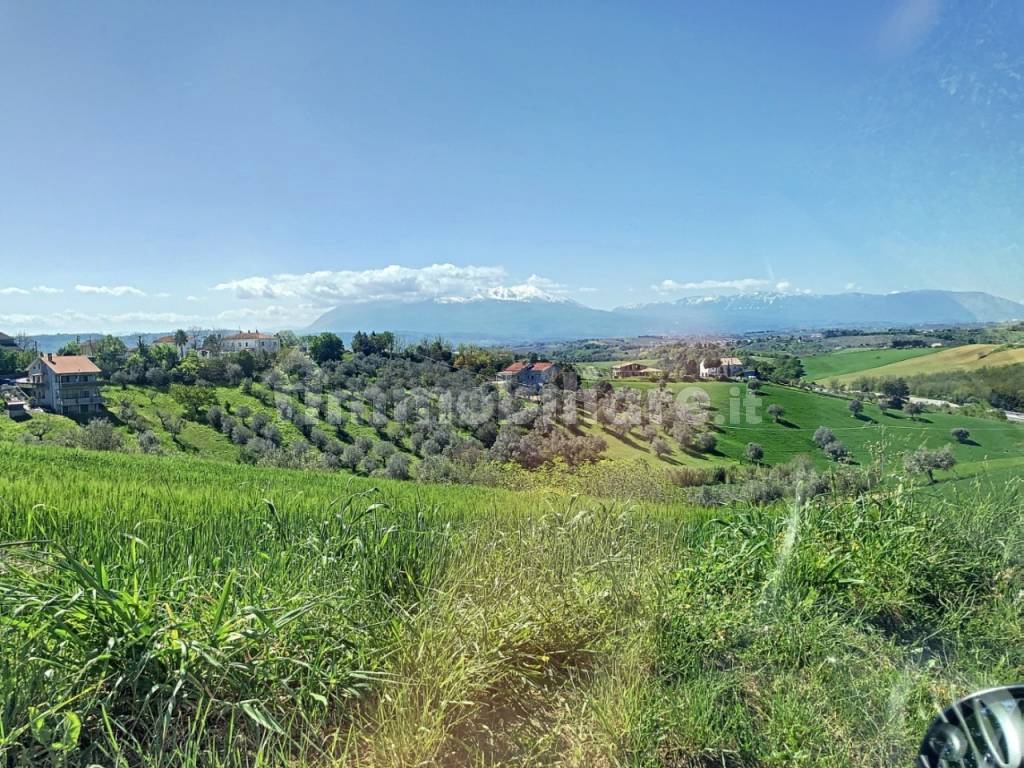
(173, 611)
(966, 358)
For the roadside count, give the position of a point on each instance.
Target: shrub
(100, 435)
(705, 442)
(960, 434)
(660, 446)
(755, 452)
(836, 451)
(397, 467)
(149, 442)
(856, 407)
(823, 436)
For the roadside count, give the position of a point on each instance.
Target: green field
(822, 368)
(167, 611)
(893, 433)
(965, 358)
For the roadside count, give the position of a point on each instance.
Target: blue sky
(252, 164)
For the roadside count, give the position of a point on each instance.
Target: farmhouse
(634, 370)
(720, 368)
(65, 384)
(250, 340)
(530, 375)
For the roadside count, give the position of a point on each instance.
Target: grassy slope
(806, 411)
(825, 367)
(464, 626)
(964, 358)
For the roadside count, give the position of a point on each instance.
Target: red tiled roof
(248, 335)
(542, 366)
(164, 340)
(516, 367)
(69, 364)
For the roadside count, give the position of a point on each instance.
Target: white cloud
(162, 295)
(275, 315)
(394, 283)
(907, 25)
(742, 285)
(87, 322)
(191, 298)
(851, 286)
(110, 290)
(15, 291)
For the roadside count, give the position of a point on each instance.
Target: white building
(254, 341)
(65, 384)
(727, 368)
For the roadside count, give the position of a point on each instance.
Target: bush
(823, 436)
(755, 452)
(705, 442)
(836, 451)
(397, 467)
(149, 442)
(960, 434)
(660, 446)
(100, 435)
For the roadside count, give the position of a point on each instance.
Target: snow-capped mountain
(504, 321)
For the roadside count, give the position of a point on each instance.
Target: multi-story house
(721, 368)
(65, 384)
(530, 375)
(254, 341)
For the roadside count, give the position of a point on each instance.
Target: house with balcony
(65, 384)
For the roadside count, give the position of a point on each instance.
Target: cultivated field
(822, 368)
(171, 611)
(965, 358)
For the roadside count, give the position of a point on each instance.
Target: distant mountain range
(497, 321)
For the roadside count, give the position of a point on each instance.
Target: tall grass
(166, 611)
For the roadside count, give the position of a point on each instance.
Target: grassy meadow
(173, 611)
(966, 358)
(824, 367)
(996, 443)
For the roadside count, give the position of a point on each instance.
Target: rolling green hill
(965, 358)
(822, 368)
(893, 433)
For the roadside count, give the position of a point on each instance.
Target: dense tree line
(999, 386)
